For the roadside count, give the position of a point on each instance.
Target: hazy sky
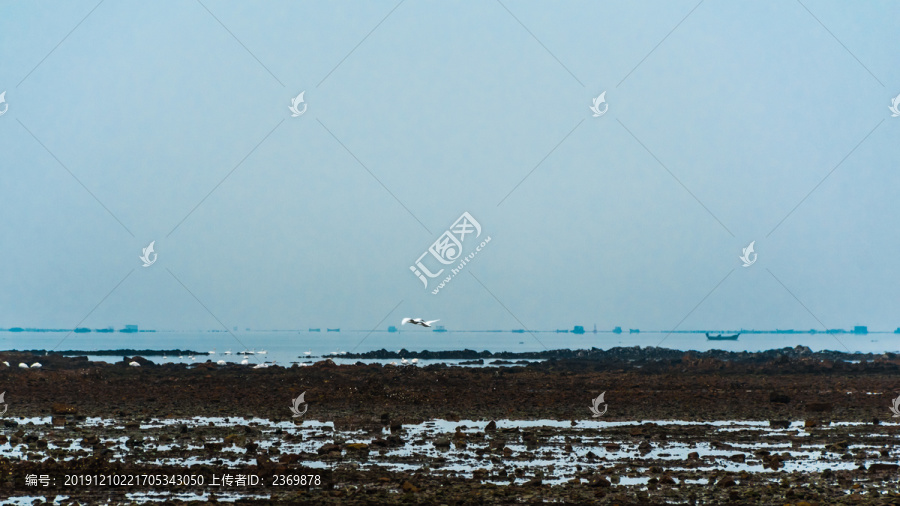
(728, 122)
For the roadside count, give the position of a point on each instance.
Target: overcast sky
(728, 122)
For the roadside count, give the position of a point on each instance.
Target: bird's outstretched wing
(428, 323)
(405, 321)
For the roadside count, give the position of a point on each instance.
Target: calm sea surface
(290, 346)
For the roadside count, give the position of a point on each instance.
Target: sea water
(286, 347)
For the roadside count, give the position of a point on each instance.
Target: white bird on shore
(134, 364)
(417, 321)
(261, 366)
(36, 365)
(23, 365)
(393, 363)
(415, 361)
(180, 357)
(403, 361)
(228, 352)
(221, 362)
(6, 363)
(245, 361)
(191, 357)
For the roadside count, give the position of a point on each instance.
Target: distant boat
(315, 330)
(720, 337)
(439, 328)
(81, 330)
(333, 330)
(519, 331)
(636, 331)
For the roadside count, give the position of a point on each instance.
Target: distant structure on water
(522, 331)
(860, 329)
(578, 329)
(634, 331)
(333, 330)
(392, 329)
(315, 330)
(617, 330)
(129, 329)
(439, 328)
(82, 330)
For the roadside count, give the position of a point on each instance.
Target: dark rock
(63, 409)
(779, 398)
(726, 482)
(328, 448)
(883, 468)
(819, 407)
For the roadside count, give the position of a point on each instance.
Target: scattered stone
(819, 407)
(63, 409)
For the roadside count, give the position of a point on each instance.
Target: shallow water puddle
(557, 451)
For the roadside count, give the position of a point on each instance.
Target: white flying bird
(417, 321)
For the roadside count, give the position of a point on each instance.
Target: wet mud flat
(789, 430)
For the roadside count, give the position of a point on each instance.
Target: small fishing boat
(721, 337)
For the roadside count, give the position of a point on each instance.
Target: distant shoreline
(630, 354)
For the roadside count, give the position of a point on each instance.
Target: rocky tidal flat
(771, 428)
